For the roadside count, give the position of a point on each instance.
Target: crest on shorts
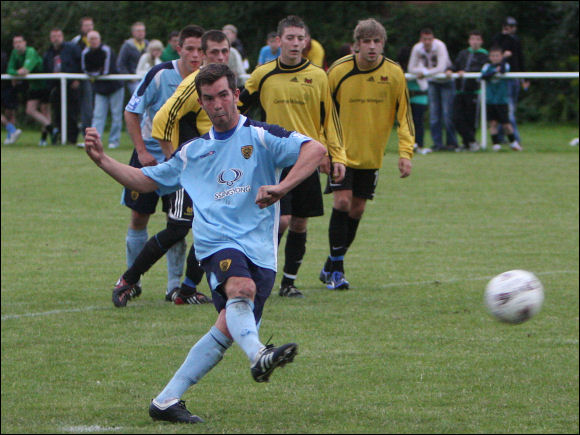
(225, 265)
(247, 151)
(134, 195)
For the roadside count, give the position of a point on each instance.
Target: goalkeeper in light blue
(232, 176)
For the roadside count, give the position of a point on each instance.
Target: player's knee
(298, 224)
(240, 287)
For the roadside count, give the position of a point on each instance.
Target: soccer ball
(514, 296)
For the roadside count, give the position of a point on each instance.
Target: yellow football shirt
(369, 103)
(297, 98)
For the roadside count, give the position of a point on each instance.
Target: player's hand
(338, 172)
(93, 144)
(405, 166)
(268, 195)
(324, 166)
(146, 159)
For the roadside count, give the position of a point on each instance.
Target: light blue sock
(202, 357)
(134, 244)
(10, 128)
(175, 262)
(242, 326)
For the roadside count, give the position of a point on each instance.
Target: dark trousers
(72, 110)
(464, 116)
(418, 111)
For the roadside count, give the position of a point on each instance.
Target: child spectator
(271, 50)
(497, 98)
(150, 58)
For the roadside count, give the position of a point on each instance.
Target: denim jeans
(441, 96)
(115, 102)
(513, 94)
(87, 102)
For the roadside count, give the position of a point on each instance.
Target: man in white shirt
(429, 57)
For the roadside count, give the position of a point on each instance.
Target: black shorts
(498, 112)
(231, 262)
(38, 94)
(305, 200)
(9, 97)
(179, 207)
(144, 203)
(362, 182)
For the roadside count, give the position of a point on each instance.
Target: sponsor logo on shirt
(229, 177)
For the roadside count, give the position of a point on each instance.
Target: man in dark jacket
(514, 55)
(130, 52)
(96, 60)
(64, 57)
(471, 59)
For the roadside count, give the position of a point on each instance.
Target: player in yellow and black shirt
(295, 94)
(370, 94)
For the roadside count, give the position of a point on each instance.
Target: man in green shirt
(170, 52)
(23, 61)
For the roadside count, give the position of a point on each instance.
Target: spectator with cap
(513, 53)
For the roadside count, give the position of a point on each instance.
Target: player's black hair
(190, 31)
(215, 36)
(291, 21)
(211, 73)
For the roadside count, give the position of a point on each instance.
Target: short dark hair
(271, 35)
(426, 31)
(495, 48)
(475, 32)
(215, 36)
(190, 31)
(211, 73)
(173, 34)
(291, 21)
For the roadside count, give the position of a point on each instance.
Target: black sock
(495, 139)
(295, 250)
(352, 228)
(154, 249)
(337, 237)
(511, 137)
(193, 271)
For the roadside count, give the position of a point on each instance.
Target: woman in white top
(150, 58)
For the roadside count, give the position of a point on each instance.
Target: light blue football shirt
(222, 177)
(153, 91)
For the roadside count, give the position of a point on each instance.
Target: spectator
(99, 59)
(231, 32)
(346, 49)
(428, 58)
(419, 102)
(314, 52)
(512, 51)
(271, 50)
(236, 64)
(25, 60)
(130, 52)
(151, 58)
(86, 88)
(170, 52)
(497, 97)
(9, 105)
(470, 59)
(64, 57)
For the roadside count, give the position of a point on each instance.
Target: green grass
(410, 349)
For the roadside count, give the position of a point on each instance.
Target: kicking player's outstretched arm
(311, 154)
(126, 175)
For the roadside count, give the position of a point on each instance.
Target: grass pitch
(409, 349)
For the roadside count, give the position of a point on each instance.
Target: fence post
(63, 111)
(483, 109)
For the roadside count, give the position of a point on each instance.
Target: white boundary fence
(63, 77)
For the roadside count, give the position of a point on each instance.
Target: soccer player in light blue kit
(151, 93)
(231, 174)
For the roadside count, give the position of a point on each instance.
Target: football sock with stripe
(337, 237)
(242, 325)
(202, 357)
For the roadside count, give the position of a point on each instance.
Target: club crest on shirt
(225, 265)
(247, 151)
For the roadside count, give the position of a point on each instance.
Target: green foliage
(548, 29)
(409, 349)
